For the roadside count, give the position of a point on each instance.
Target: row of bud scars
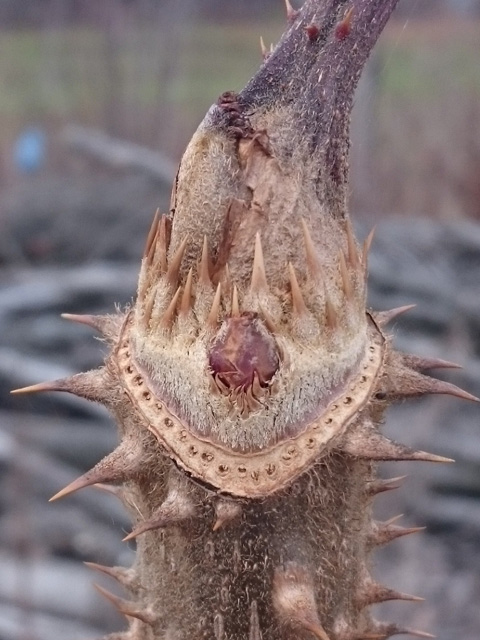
(171, 298)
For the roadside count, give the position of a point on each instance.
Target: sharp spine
(366, 250)
(212, 320)
(420, 363)
(347, 283)
(367, 443)
(410, 383)
(384, 532)
(299, 306)
(176, 509)
(380, 486)
(123, 576)
(294, 600)
(161, 245)
(147, 310)
(268, 320)
(168, 316)
(176, 262)
(263, 48)
(118, 466)
(128, 608)
(353, 257)
(106, 325)
(89, 385)
(291, 12)
(259, 278)
(148, 254)
(204, 270)
(374, 593)
(387, 630)
(383, 318)
(186, 302)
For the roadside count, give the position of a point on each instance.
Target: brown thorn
(268, 320)
(120, 574)
(227, 277)
(347, 283)
(235, 309)
(313, 263)
(367, 443)
(394, 519)
(151, 236)
(204, 271)
(299, 306)
(380, 486)
(353, 257)
(89, 385)
(420, 363)
(366, 248)
(129, 609)
(117, 467)
(374, 593)
(186, 303)
(38, 388)
(161, 243)
(416, 633)
(212, 319)
(94, 322)
(147, 311)
(168, 317)
(417, 384)
(382, 318)
(385, 532)
(293, 600)
(259, 278)
(176, 262)
(148, 525)
(158, 521)
(87, 480)
(389, 630)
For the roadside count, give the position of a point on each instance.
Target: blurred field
(152, 87)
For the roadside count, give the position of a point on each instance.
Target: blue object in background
(30, 150)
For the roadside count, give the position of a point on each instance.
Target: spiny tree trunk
(248, 380)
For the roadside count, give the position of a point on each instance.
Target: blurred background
(97, 102)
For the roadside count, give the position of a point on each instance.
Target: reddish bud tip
(345, 26)
(312, 32)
